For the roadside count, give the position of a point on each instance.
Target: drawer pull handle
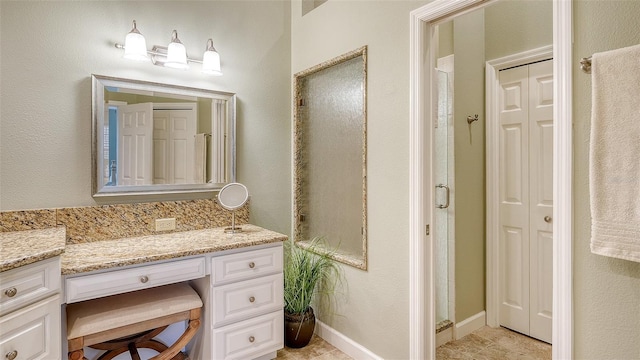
(252, 339)
(252, 265)
(11, 292)
(144, 279)
(11, 355)
(252, 299)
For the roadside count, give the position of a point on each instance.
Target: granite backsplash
(108, 222)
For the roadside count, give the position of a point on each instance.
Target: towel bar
(585, 64)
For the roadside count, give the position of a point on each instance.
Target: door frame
(492, 127)
(421, 271)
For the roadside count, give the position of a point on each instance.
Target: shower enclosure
(443, 163)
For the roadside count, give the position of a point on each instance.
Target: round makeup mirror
(231, 197)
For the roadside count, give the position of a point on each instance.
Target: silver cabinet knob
(252, 299)
(11, 292)
(252, 339)
(11, 355)
(547, 219)
(144, 279)
(252, 265)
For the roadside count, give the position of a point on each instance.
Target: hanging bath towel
(614, 174)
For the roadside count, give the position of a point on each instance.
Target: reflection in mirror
(151, 138)
(330, 157)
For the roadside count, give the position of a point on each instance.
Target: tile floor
(494, 344)
(483, 344)
(317, 349)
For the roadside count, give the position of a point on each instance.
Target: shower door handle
(446, 204)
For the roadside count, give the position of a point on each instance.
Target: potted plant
(308, 272)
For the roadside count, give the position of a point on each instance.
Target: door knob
(547, 219)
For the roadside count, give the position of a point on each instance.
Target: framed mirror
(151, 138)
(330, 157)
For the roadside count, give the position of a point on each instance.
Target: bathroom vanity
(238, 277)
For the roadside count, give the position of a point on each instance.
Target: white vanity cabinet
(30, 311)
(245, 292)
(92, 286)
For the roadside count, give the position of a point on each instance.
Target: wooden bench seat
(125, 322)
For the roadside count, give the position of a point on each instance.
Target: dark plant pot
(298, 328)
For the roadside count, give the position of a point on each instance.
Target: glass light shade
(135, 47)
(176, 54)
(211, 63)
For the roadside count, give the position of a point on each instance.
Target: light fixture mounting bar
(159, 54)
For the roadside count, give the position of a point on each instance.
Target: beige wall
(516, 26)
(606, 291)
(374, 309)
(50, 50)
(468, 45)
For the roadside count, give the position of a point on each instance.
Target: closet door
(174, 146)
(541, 198)
(526, 199)
(135, 146)
(514, 199)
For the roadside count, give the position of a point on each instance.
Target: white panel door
(541, 197)
(514, 200)
(161, 147)
(135, 144)
(526, 199)
(182, 146)
(174, 146)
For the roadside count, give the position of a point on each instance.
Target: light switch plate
(165, 224)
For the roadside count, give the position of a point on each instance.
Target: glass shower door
(442, 196)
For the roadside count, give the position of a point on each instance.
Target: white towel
(614, 174)
(200, 160)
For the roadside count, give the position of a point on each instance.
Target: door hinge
(427, 229)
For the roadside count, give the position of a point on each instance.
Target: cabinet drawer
(242, 300)
(246, 265)
(143, 277)
(250, 338)
(27, 284)
(32, 332)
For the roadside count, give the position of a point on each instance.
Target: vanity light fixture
(173, 56)
(135, 47)
(211, 60)
(176, 53)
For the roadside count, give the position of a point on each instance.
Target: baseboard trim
(470, 324)
(343, 343)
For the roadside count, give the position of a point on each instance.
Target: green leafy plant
(308, 272)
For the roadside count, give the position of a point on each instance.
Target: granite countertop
(99, 255)
(19, 248)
